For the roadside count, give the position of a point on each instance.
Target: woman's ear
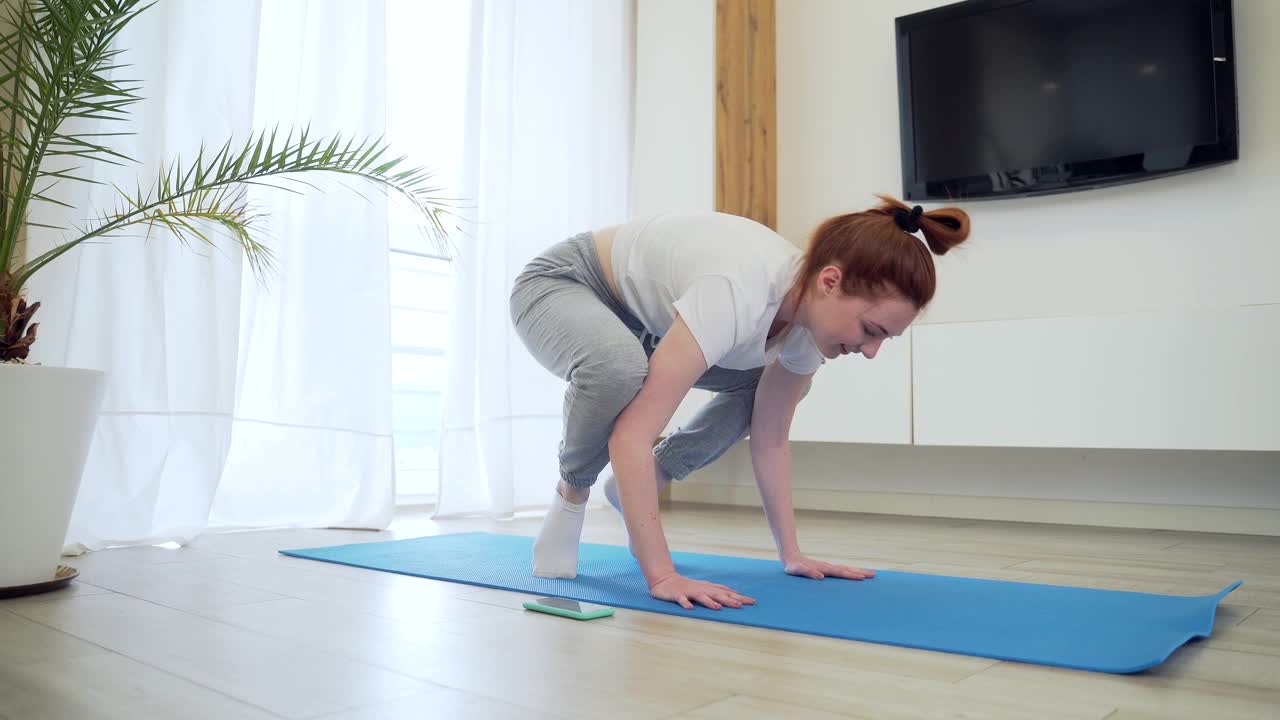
(829, 279)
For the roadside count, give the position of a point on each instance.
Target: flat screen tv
(1007, 98)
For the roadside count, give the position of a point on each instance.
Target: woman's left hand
(808, 567)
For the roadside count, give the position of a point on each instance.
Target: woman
(635, 315)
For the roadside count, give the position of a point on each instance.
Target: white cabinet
(857, 400)
(1196, 379)
(1193, 380)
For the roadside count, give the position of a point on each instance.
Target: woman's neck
(788, 313)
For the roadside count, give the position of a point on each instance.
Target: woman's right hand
(686, 591)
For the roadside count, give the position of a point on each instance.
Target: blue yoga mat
(1103, 630)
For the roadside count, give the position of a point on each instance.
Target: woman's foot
(555, 551)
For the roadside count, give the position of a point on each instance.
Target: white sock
(611, 494)
(555, 552)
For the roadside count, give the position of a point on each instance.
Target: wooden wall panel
(746, 112)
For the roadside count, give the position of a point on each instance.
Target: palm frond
(229, 218)
(210, 192)
(55, 64)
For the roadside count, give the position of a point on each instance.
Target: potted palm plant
(58, 60)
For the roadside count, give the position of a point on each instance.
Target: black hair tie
(908, 221)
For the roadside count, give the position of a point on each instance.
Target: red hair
(878, 257)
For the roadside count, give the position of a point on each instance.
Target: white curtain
(230, 403)
(547, 156)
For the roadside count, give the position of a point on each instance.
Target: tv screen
(1004, 98)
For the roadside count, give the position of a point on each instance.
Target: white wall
(1203, 240)
(675, 130)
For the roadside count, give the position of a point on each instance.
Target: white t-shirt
(725, 275)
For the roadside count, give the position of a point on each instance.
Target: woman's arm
(777, 395)
(676, 365)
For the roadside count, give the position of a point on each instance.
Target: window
(427, 47)
(421, 295)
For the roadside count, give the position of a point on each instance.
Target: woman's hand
(798, 564)
(685, 591)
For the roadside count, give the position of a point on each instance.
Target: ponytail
(878, 252)
(943, 228)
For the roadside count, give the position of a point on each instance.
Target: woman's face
(843, 324)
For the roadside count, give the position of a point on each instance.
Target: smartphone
(568, 608)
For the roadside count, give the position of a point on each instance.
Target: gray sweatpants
(567, 317)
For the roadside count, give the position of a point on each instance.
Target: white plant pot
(49, 415)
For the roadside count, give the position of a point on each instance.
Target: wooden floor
(227, 628)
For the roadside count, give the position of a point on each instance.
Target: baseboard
(1243, 521)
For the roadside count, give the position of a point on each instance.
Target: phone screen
(570, 605)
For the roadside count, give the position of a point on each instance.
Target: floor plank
(109, 686)
(279, 677)
(746, 707)
(226, 627)
(442, 703)
(1167, 693)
